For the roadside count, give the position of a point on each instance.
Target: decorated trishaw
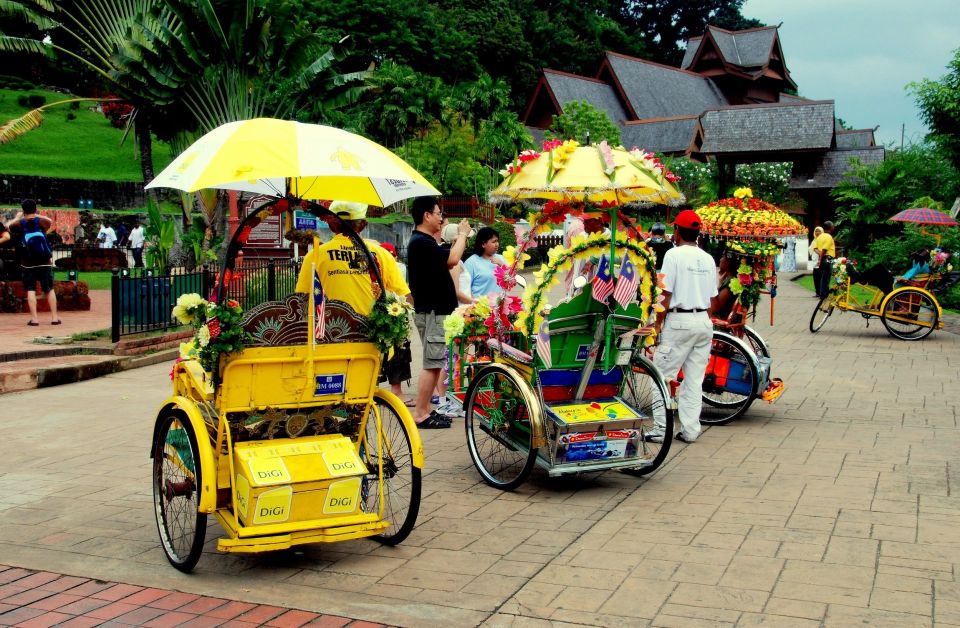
(568, 387)
(276, 425)
(746, 230)
(910, 311)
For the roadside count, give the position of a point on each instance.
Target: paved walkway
(832, 507)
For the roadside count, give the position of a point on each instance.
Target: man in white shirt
(107, 237)
(136, 245)
(684, 329)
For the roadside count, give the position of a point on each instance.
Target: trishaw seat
(286, 323)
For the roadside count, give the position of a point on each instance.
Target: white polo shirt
(690, 276)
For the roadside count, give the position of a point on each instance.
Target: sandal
(433, 421)
(56, 322)
(33, 323)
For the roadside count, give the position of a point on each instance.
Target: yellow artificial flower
(203, 336)
(743, 193)
(395, 309)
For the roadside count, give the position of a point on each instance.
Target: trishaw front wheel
(401, 479)
(820, 315)
(498, 426)
(176, 492)
(645, 391)
(731, 387)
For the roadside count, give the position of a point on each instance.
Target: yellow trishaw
(289, 440)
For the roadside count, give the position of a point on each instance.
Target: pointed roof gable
(752, 53)
(747, 48)
(570, 87)
(652, 90)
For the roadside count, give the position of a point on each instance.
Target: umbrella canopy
(308, 161)
(924, 216)
(566, 171)
(743, 217)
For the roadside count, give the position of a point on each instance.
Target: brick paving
(832, 507)
(38, 598)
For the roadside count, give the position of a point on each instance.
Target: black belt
(686, 311)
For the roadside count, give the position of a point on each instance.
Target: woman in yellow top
(826, 250)
(342, 266)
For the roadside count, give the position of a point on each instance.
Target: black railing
(143, 300)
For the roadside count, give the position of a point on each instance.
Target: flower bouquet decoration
(217, 328)
(389, 323)
(743, 217)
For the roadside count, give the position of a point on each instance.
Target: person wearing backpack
(36, 259)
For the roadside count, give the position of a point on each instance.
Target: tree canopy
(939, 103)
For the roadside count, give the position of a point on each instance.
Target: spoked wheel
(176, 492)
(497, 422)
(820, 315)
(644, 390)
(401, 479)
(730, 388)
(910, 314)
(756, 343)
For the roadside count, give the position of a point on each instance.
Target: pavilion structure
(731, 100)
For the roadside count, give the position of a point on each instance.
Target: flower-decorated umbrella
(598, 174)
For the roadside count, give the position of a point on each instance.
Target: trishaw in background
(911, 310)
(568, 388)
(740, 360)
(276, 425)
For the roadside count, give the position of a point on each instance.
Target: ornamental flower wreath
(217, 329)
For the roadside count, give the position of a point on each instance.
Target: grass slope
(85, 148)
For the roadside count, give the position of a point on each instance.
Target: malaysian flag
(543, 344)
(319, 308)
(626, 291)
(603, 281)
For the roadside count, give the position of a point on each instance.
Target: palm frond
(22, 11)
(18, 126)
(24, 44)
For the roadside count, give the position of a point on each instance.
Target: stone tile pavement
(832, 507)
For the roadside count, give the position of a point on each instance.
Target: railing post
(115, 305)
(271, 280)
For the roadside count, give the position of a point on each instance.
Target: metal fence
(143, 300)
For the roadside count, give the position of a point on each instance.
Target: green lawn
(85, 148)
(99, 280)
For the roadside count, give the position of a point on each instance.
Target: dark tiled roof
(693, 44)
(537, 135)
(827, 171)
(761, 128)
(568, 88)
(859, 138)
(790, 98)
(665, 136)
(747, 49)
(658, 91)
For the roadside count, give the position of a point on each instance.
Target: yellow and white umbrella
(595, 174)
(307, 161)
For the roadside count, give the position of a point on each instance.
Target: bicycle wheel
(176, 492)
(727, 395)
(401, 479)
(910, 314)
(644, 390)
(756, 343)
(820, 315)
(497, 423)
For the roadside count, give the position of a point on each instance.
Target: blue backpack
(35, 241)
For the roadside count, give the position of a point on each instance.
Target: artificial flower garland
(742, 216)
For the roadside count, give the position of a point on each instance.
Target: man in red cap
(684, 330)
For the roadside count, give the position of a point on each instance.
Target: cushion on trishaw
(510, 351)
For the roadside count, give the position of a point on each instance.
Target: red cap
(687, 219)
(389, 247)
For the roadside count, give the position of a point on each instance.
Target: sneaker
(434, 421)
(684, 438)
(450, 409)
(653, 436)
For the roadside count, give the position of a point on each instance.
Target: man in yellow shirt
(342, 266)
(826, 249)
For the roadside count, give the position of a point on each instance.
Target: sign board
(590, 412)
(304, 221)
(329, 384)
(269, 233)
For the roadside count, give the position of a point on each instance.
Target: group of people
(108, 238)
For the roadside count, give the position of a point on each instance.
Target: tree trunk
(145, 144)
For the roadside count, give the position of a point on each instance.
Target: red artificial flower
(233, 303)
(214, 326)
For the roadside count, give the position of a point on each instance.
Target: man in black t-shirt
(659, 243)
(434, 297)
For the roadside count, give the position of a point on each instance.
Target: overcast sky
(862, 53)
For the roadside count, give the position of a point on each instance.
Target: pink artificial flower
(505, 277)
(745, 279)
(551, 144)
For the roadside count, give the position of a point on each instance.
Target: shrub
(23, 100)
(71, 115)
(36, 100)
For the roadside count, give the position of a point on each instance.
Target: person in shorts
(35, 269)
(434, 297)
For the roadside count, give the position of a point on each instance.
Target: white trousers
(685, 343)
